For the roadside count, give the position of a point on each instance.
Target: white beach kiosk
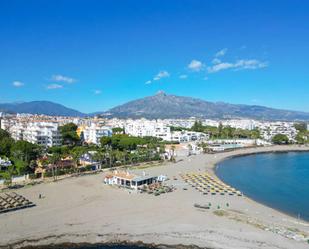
(129, 180)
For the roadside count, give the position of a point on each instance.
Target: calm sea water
(279, 180)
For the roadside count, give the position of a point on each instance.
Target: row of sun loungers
(209, 185)
(12, 201)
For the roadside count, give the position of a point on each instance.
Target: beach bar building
(129, 180)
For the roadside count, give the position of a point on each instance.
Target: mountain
(163, 105)
(39, 107)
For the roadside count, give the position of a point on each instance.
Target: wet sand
(83, 209)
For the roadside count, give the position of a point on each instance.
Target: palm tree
(54, 159)
(173, 147)
(7, 175)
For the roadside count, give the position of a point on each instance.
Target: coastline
(83, 210)
(262, 150)
(214, 171)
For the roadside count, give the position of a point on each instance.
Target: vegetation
(280, 139)
(118, 149)
(123, 149)
(177, 128)
(69, 135)
(22, 154)
(301, 127)
(302, 136)
(225, 132)
(118, 130)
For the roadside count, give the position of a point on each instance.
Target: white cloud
(61, 78)
(219, 67)
(238, 65)
(97, 92)
(54, 86)
(161, 74)
(18, 83)
(195, 65)
(183, 76)
(216, 61)
(148, 82)
(250, 64)
(220, 53)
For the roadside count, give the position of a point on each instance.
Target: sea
(278, 180)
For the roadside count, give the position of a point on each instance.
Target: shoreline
(83, 210)
(306, 150)
(285, 150)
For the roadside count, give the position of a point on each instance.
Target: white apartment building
(17, 130)
(270, 129)
(6, 123)
(46, 134)
(37, 132)
(94, 132)
(185, 123)
(144, 127)
(187, 136)
(246, 124)
(161, 129)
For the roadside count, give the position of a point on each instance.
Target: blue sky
(92, 55)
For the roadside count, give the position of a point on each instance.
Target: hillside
(39, 107)
(163, 105)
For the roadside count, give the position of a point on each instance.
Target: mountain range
(39, 107)
(162, 105)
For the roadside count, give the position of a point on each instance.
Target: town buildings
(43, 130)
(4, 163)
(158, 128)
(44, 133)
(94, 132)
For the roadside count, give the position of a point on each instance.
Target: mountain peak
(162, 105)
(161, 93)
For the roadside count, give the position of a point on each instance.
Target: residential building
(4, 163)
(94, 132)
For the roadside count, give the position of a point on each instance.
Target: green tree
(177, 128)
(5, 146)
(280, 139)
(21, 167)
(301, 137)
(25, 151)
(118, 130)
(69, 135)
(197, 126)
(105, 141)
(220, 129)
(205, 147)
(301, 127)
(4, 134)
(77, 152)
(255, 134)
(7, 175)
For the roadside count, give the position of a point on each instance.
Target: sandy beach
(83, 209)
